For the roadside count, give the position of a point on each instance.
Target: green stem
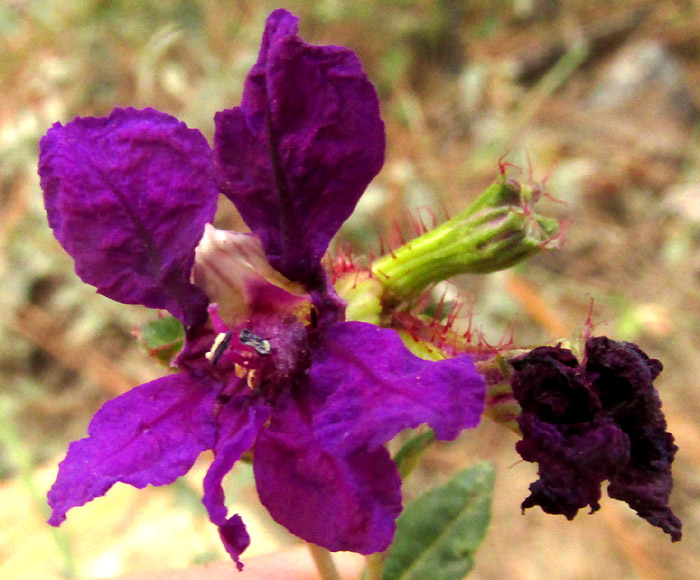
(375, 566)
(324, 563)
(409, 456)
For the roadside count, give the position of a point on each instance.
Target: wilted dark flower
(587, 423)
(270, 362)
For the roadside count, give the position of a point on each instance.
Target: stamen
(250, 379)
(219, 347)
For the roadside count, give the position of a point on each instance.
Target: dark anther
(261, 345)
(221, 344)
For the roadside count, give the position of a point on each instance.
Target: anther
(261, 345)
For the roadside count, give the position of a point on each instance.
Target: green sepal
(363, 295)
(163, 338)
(437, 534)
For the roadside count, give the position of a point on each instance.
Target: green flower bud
(498, 230)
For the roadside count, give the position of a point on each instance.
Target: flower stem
(412, 452)
(375, 566)
(324, 563)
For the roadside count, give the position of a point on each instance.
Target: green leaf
(438, 534)
(163, 338)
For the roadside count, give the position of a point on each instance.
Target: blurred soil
(599, 100)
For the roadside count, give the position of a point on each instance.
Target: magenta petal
(298, 153)
(149, 435)
(340, 503)
(238, 424)
(235, 538)
(374, 388)
(128, 197)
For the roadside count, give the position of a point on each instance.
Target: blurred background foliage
(598, 99)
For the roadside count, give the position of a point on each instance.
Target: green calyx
(363, 294)
(163, 338)
(498, 230)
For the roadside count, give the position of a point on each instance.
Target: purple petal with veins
(150, 435)
(374, 387)
(298, 153)
(128, 197)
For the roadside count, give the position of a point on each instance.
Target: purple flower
(597, 421)
(269, 362)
